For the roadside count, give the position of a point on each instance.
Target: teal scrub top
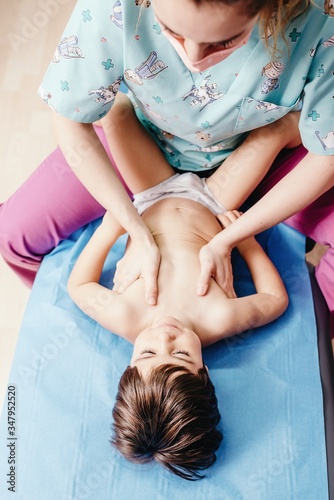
(197, 119)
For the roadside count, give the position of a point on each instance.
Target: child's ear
(207, 369)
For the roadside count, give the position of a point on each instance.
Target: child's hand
(228, 217)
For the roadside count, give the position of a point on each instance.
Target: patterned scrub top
(197, 119)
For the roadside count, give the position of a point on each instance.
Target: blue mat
(66, 370)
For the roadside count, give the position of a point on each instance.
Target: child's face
(167, 341)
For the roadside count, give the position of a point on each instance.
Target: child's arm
(270, 299)
(241, 172)
(95, 300)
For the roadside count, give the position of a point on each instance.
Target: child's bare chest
(177, 297)
(180, 228)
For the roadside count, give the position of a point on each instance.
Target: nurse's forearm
(313, 176)
(89, 161)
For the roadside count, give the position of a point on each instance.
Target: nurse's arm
(312, 177)
(90, 162)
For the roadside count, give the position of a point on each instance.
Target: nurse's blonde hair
(274, 16)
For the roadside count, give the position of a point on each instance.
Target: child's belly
(174, 220)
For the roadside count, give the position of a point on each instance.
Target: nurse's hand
(215, 261)
(141, 260)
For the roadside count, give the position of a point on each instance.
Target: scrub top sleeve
(86, 70)
(317, 118)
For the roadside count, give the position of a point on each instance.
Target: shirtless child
(166, 408)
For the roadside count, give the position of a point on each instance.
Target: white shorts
(187, 185)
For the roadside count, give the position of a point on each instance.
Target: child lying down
(166, 408)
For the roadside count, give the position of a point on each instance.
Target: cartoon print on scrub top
(205, 137)
(329, 7)
(267, 106)
(203, 94)
(144, 3)
(152, 113)
(165, 146)
(202, 136)
(107, 94)
(329, 42)
(169, 136)
(264, 106)
(162, 136)
(272, 70)
(212, 149)
(67, 48)
(327, 142)
(146, 70)
(47, 97)
(117, 14)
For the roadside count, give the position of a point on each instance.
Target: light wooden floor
(29, 35)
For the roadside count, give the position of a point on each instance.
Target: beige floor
(29, 32)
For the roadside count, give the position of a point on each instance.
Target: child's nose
(167, 336)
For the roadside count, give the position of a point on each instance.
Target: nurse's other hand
(215, 263)
(141, 260)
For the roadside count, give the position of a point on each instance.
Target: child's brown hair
(170, 417)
